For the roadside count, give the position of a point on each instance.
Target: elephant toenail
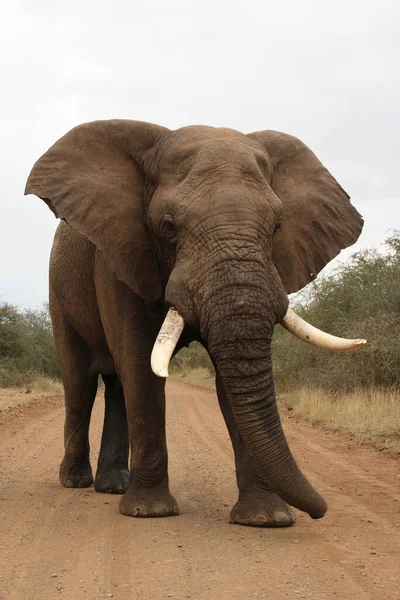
(282, 517)
(158, 509)
(261, 519)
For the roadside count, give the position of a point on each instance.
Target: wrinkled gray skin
(220, 225)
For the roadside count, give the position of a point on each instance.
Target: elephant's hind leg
(257, 505)
(112, 475)
(80, 388)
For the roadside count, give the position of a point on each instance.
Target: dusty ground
(74, 543)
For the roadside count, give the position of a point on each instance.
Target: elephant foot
(264, 509)
(111, 481)
(151, 504)
(76, 472)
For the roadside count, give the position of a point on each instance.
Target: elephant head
(220, 225)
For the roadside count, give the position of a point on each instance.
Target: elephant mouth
(173, 325)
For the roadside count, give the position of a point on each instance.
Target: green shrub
(362, 299)
(195, 356)
(26, 346)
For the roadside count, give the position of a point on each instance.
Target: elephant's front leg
(257, 505)
(148, 492)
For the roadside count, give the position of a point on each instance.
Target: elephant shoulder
(72, 258)
(70, 245)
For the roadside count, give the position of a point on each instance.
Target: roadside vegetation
(193, 365)
(360, 300)
(27, 355)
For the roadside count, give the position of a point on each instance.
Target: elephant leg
(148, 492)
(257, 505)
(80, 387)
(112, 474)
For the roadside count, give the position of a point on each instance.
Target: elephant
(207, 230)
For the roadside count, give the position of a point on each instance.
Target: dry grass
(364, 414)
(45, 384)
(41, 386)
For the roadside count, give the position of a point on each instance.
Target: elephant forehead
(202, 149)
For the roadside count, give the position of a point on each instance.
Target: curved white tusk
(310, 334)
(166, 342)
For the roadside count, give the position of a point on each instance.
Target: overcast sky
(326, 71)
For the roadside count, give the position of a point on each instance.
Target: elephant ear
(318, 220)
(93, 179)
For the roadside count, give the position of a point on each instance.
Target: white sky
(326, 71)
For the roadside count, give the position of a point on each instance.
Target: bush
(195, 356)
(26, 346)
(362, 299)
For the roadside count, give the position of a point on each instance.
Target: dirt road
(57, 542)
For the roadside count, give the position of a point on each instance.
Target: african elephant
(217, 224)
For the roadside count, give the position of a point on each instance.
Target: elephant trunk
(240, 347)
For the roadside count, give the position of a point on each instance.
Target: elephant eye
(168, 228)
(277, 226)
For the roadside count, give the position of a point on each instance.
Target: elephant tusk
(166, 342)
(310, 334)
